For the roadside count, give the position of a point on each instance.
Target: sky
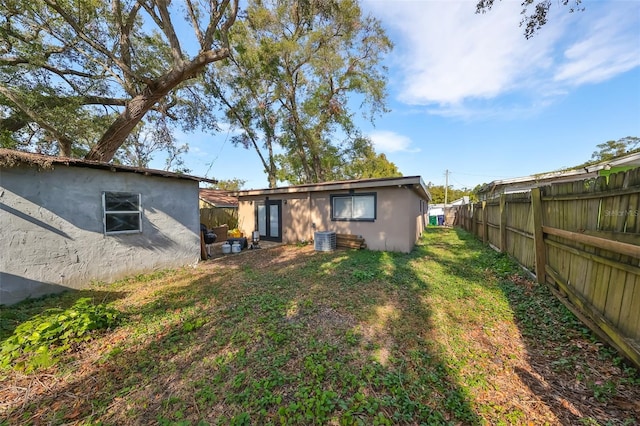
(469, 94)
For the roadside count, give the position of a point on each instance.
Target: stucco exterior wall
(397, 227)
(295, 216)
(52, 237)
(246, 216)
(421, 215)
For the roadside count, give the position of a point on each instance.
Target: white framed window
(122, 212)
(354, 207)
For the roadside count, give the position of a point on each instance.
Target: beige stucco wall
(246, 216)
(295, 216)
(398, 225)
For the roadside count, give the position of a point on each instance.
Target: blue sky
(469, 94)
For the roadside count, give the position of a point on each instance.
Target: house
(389, 213)
(218, 207)
(525, 183)
(217, 198)
(65, 222)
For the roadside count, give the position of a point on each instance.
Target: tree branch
(163, 21)
(93, 43)
(218, 13)
(13, 123)
(245, 126)
(64, 141)
(195, 23)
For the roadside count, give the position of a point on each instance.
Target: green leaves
(37, 342)
(71, 68)
(612, 149)
(287, 86)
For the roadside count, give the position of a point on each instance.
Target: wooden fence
(218, 216)
(583, 239)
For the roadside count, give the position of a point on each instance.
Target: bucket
(226, 248)
(235, 248)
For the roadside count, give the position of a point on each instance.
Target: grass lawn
(451, 333)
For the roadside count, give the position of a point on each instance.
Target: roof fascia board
(23, 158)
(338, 186)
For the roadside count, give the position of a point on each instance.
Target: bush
(37, 343)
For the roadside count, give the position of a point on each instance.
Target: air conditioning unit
(324, 241)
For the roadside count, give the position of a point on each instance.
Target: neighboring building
(438, 209)
(446, 214)
(218, 208)
(65, 222)
(524, 184)
(389, 213)
(217, 198)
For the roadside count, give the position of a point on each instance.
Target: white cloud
(386, 141)
(226, 127)
(612, 47)
(447, 56)
(448, 53)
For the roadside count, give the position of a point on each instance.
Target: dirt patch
(266, 257)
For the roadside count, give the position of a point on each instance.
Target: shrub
(37, 343)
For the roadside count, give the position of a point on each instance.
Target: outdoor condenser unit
(324, 241)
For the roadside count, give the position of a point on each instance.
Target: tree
(357, 160)
(437, 193)
(148, 139)
(234, 184)
(364, 163)
(534, 12)
(287, 81)
(612, 149)
(66, 64)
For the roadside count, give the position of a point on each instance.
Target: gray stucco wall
(51, 229)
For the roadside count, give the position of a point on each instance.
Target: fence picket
(587, 233)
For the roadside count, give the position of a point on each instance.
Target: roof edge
(583, 171)
(415, 181)
(219, 205)
(12, 158)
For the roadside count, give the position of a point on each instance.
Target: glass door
(269, 219)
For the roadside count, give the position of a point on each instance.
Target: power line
(489, 176)
(458, 182)
(219, 152)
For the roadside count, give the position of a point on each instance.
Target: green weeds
(36, 343)
(442, 335)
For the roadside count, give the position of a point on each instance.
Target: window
(122, 212)
(353, 207)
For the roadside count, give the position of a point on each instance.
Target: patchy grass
(449, 334)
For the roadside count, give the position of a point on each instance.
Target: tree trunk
(272, 181)
(318, 169)
(135, 109)
(299, 149)
(64, 144)
(271, 176)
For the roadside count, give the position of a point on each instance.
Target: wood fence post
(485, 223)
(472, 222)
(475, 221)
(538, 235)
(203, 249)
(503, 223)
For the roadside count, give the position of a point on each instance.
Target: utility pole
(446, 186)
